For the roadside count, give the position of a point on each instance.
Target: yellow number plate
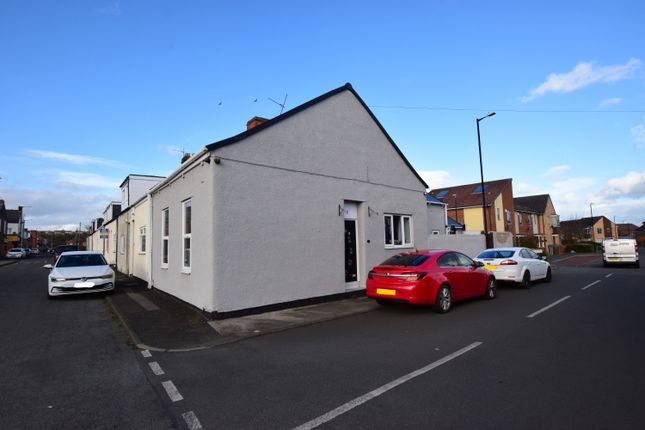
(385, 292)
(490, 267)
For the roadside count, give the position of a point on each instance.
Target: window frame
(186, 236)
(142, 239)
(165, 236)
(402, 231)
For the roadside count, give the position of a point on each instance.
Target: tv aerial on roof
(280, 104)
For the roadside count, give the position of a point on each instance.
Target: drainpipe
(149, 237)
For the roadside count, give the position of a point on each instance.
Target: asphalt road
(65, 364)
(568, 354)
(576, 365)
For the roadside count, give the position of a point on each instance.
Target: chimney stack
(185, 157)
(255, 121)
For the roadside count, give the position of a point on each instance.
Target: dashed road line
(156, 368)
(557, 302)
(146, 353)
(191, 420)
(383, 389)
(172, 391)
(590, 285)
(608, 275)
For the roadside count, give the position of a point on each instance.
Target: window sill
(407, 246)
(164, 267)
(185, 271)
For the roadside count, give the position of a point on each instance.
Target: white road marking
(383, 389)
(172, 391)
(156, 369)
(590, 285)
(191, 420)
(608, 275)
(557, 302)
(146, 353)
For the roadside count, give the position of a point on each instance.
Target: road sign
(104, 233)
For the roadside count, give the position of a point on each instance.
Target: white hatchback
(79, 272)
(520, 265)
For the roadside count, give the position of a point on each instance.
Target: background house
(295, 209)
(535, 217)
(3, 230)
(594, 229)
(465, 206)
(626, 230)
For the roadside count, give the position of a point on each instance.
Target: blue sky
(92, 90)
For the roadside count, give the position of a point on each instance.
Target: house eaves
(347, 87)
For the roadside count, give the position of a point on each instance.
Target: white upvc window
(121, 244)
(142, 240)
(186, 230)
(398, 231)
(165, 229)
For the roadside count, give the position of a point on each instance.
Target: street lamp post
(481, 172)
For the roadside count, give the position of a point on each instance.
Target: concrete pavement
(159, 322)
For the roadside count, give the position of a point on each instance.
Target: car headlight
(58, 279)
(108, 276)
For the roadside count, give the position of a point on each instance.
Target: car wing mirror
(48, 266)
(479, 264)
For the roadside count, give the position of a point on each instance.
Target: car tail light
(370, 275)
(508, 263)
(413, 276)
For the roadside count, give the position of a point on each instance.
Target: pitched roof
(463, 196)
(452, 222)
(582, 222)
(535, 204)
(433, 199)
(347, 87)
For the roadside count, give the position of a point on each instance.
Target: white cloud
(630, 185)
(610, 102)
(49, 209)
(557, 170)
(521, 189)
(77, 180)
(638, 133)
(436, 178)
(582, 75)
(75, 158)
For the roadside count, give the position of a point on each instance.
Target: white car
(520, 265)
(16, 253)
(79, 272)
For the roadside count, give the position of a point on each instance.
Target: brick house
(535, 216)
(465, 205)
(594, 229)
(626, 230)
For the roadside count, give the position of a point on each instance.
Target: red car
(431, 277)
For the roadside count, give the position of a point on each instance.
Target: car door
(453, 272)
(540, 264)
(474, 282)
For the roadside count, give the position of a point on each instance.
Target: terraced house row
(294, 209)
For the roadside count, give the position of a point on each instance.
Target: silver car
(79, 272)
(16, 253)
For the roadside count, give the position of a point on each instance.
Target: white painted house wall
(278, 233)
(139, 259)
(267, 221)
(195, 182)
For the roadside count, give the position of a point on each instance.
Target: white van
(620, 251)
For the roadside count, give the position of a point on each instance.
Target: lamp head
(490, 113)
